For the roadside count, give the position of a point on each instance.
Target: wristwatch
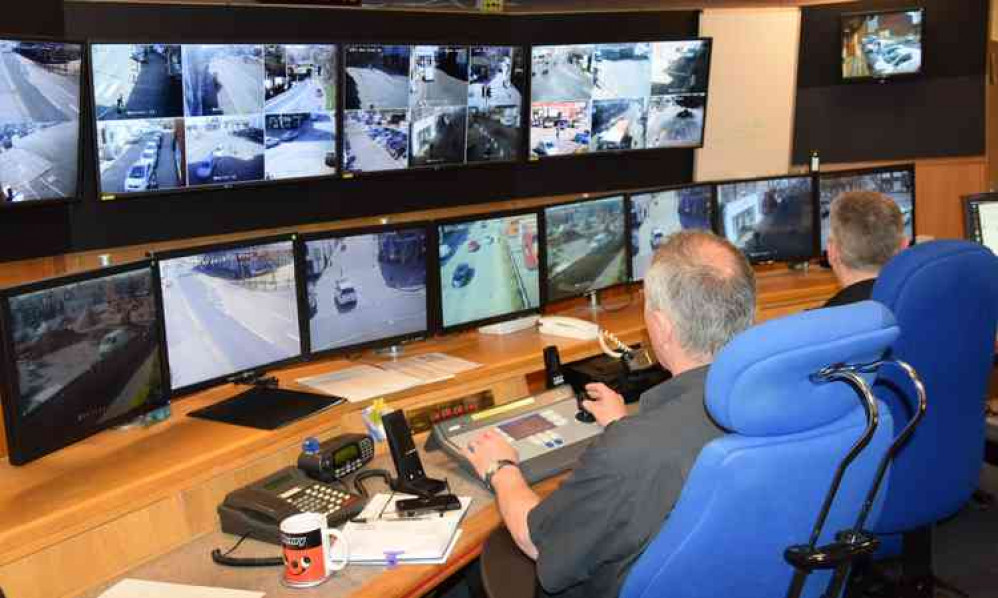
(494, 469)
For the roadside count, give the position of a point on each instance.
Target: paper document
(360, 382)
(138, 588)
(432, 367)
(422, 540)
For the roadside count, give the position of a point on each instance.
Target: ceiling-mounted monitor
(39, 120)
(588, 98)
(882, 45)
(185, 116)
(414, 106)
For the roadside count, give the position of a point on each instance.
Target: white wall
(753, 81)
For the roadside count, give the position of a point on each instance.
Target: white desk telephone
(583, 330)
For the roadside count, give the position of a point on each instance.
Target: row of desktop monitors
(181, 116)
(81, 353)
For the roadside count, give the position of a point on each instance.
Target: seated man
(866, 231)
(585, 536)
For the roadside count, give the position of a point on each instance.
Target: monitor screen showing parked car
(882, 45)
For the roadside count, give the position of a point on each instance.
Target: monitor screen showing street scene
(769, 220)
(39, 120)
(898, 185)
(610, 97)
(180, 116)
(488, 268)
(882, 45)
(229, 311)
(419, 106)
(655, 216)
(585, 247)
(86, 354)
(366, 288)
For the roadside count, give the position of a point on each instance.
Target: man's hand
(605, 404)
(487, 448)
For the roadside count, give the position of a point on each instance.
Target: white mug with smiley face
(309, 558)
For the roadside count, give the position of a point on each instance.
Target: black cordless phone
(411, 477)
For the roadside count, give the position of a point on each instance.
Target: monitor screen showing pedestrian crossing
(896, 183)
(658, 214)
(229, 310)
(365, 289)
(585, 247)
(173, 116)
(488, 269)
(39, 120)
(608, 97)
(770, 220)
(419, 106)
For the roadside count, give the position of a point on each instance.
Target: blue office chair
(944, 295)
(759, 490)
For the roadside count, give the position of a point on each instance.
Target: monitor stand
(266, 407)
(595, 306)
(392, 352)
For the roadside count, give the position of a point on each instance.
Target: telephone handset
(568, 327)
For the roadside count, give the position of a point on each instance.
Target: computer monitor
(365, 288)
(39, 120)
(80, 353)
(896, 182)
(882, 45)
(769, 219)
(654, 215)
(981, 219)
(609, 97)
(584, 247)
(182, 116)
(229, 309)
(411, 106)
(488, 268)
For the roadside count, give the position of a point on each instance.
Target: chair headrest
(760, 385)
(943, 265)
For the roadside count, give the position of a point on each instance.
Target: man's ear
(664, 326)
(833, 251)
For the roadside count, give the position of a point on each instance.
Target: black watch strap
(494, 469)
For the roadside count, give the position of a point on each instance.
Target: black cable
(359, 477)
(224, 559)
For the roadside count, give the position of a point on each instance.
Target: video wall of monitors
(183, 116)
(897, 183)
(608, 97)
(769, 219)
(366, 288)
(39, 120)
(584, 247)
(655, 215)
(416, 106)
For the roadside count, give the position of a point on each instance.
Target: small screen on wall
(173, 117)
(39, 120)
(882, 45)
(607, 97)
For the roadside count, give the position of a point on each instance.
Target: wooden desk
(125, 497)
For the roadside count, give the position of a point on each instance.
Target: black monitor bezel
(18, 453)
(546, 298)
(711, 205)
(522, 153)
(971, 228)
(225, 246)
(885, 78)
(301, 254)
(438, 302)
(529, 157)
(815, 233)
(835, 174)
(139, 195)
(83, 106)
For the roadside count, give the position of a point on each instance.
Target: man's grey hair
(706, 288)
(868, 229)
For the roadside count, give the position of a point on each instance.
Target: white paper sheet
(139, 588)
(360, 382)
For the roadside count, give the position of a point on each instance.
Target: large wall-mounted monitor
(366, 288)
(81, 353)
(488, 269)
(425, 106)
(229, 309)
(770, 219)
(185, 116)
(882, 45)
(39, 120)
(654, 215)
(896, 182)
(981, 219)
(608, 97)
(584, 247)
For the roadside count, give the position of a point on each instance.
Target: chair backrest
(944, 295)
(759, 489)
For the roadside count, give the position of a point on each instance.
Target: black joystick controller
(555, 377)
(582, 415)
